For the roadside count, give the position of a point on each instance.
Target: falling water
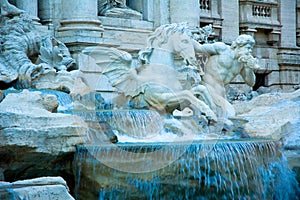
(144, 123)
(199, 170)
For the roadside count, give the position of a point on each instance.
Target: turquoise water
(198, 170)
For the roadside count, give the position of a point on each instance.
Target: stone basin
(208, 169)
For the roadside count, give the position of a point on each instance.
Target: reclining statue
(118, 9)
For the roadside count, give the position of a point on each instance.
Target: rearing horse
(155, 83)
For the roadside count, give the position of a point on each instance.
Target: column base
(78, 34)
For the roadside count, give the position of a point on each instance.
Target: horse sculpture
(155, 83)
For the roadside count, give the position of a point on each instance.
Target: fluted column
(80, 26)
(30, 6)
(185, 11)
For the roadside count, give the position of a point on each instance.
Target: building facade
(275, 25)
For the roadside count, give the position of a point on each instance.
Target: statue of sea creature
(155, 84)
(26, 57)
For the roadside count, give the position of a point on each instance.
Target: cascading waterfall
(144, 123)
(199, 170)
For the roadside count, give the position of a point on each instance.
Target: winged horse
(154, 84)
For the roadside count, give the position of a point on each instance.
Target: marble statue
(117, 8)
(224, 64)
(155, 84)
(30, 60)
(8, 9)
(161, 84)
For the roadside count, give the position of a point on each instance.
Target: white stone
(270, 115)
(36, 189)
(26, 122)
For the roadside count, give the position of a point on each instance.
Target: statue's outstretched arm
(211, 49)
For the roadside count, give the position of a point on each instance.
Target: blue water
(198, 170)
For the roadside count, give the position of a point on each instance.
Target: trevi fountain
(98, 102)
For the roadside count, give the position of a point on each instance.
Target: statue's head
(242, 41)
(243, 46)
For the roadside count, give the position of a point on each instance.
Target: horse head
(175, 38)
(183, 46)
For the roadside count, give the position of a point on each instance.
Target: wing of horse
(116, 65)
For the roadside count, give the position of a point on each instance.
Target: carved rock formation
(36, 189)
(26, 116)
(270, 115)
(35, 142)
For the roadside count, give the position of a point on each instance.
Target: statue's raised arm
(225, 63)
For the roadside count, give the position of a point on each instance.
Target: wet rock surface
(36, 189)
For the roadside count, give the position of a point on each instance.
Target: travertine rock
(270, 115)
(36, 189)
(26, 121)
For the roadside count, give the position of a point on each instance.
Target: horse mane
(161, 36)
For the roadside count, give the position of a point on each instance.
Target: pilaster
(161, 12)
(185, 11)
(288, 22)
(45, 11)
(230, 23)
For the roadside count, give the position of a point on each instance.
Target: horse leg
(203, 92)
(198, 106)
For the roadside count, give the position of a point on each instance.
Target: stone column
(30, 6)
(288, 22)
(45, 11)
(230, 23)
(185, 11)
(80, 26)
